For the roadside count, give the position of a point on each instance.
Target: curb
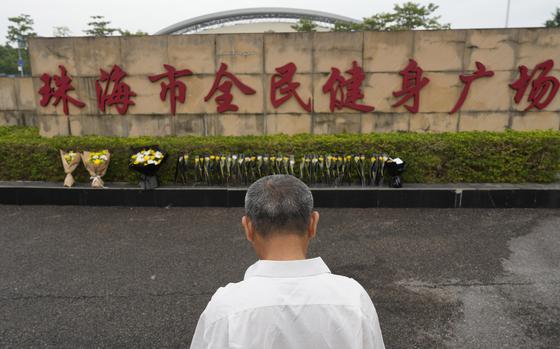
(411, 196)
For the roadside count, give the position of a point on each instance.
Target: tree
(21, 28)
(305, 25)
(410, 16)
(555, 21)
(347, 27)
(99, 27)
(8, 60)
(61, 32)
(125, 32)
(407, 16)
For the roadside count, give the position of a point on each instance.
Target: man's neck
(282, 247)
(283, 256)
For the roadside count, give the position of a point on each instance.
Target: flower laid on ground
(147, 157)
(147, 161)
(99, 158)
(377, 168)
(70, 161)
(242, 169)
(395, 167)
(70, 156)
(181, 168)
(96, 164)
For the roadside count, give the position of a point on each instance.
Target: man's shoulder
(347, 289)
(344, 281)
(235, 290)
(261, 292)
(226, 300)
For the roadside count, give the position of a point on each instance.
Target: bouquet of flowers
(96, 164)
(147, 161)
(182, 168)
(395, 167)
(360, 167)
(242, 169)
(377, 168)
(70, 161)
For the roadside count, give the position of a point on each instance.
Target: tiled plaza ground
(139, 277)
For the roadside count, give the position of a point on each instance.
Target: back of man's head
(279, 204)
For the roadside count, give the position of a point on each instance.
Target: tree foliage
(99, 27)
(125, 32)
(305, 25)
(61, 32)
(555, 21)
(407, 16)
(8, 60)
(20, 28)
(347, 27)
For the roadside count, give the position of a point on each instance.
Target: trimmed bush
(508, 157)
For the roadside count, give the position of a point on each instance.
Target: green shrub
(509, 157)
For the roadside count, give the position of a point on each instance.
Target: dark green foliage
(304, 25)
(555, 21)
(347, 27)
(407, 16)
(125, 32)
(20, 28)
(509, 157)
(9, 59)
(61, 32)
(99, 27)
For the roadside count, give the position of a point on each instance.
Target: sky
(153, 15)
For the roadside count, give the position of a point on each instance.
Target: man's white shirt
(289, 305)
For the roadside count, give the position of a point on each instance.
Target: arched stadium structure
(254, 20)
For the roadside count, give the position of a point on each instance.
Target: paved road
(75, 277)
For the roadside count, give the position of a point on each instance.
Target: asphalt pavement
(108, 277)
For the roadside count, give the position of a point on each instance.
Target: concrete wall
(253, 57)
(17, 102)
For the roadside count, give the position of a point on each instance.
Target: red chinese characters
(224, 100)
(176, 89)
(63, 85)
(413, 82)
(543, 87)
(346, 92)
(115, 92)
(480, 72)
(282, 82)
(344, 88)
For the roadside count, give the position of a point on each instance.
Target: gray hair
(279, 203)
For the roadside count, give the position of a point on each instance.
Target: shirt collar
(287, 269)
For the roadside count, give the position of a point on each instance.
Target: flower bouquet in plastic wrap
(377, 168)
(70, 161)
(182, 168)
(96, 163)
(395, 168)
(147, 161)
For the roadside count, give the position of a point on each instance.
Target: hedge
(508, 157)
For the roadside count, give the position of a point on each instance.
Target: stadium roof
(219, 18)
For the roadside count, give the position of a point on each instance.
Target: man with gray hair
(285, 300)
